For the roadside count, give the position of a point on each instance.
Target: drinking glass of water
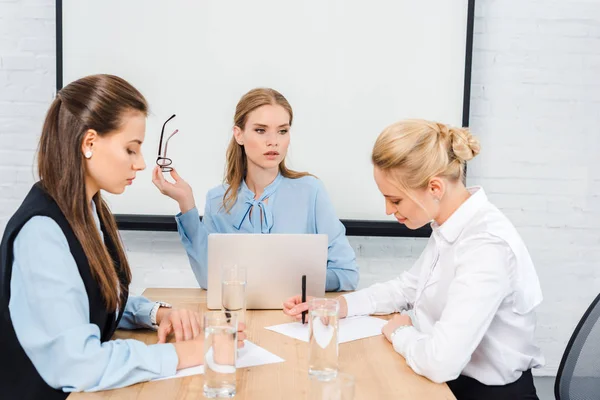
(233, 290)
(220, 353)
(323, 317)
(339, 388)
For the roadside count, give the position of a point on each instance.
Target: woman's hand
(394, 323)
(191, 352)
(294, 307)
(184, 324)
(180, 191)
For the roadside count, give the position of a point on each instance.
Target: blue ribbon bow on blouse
(258, 206)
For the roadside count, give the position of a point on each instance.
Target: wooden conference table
(380, 372)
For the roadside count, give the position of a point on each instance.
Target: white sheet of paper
(350, 329)
(250, 355)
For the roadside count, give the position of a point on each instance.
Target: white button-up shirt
(473, 292)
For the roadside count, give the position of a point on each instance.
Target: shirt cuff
(143, 315)
(359, 303)
(404, 338)
(189, 222)
(169, 359)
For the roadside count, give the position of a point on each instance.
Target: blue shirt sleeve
(194, 237)
(342, 271)
(137, 313)
(49, 308)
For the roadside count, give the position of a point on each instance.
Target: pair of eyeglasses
(162, 160)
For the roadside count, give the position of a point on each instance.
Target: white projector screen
(348, 68)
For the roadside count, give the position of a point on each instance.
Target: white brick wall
(535, 102)
(27, 81)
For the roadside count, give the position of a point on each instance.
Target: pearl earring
(88, 154)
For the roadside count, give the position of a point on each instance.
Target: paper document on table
(250, 355)
(350, 329)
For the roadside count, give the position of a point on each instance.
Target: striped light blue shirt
(294, 206)
(49, 308)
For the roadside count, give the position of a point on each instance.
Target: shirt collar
(269, 190)
(451, 229)
(246, 201)
(96, 218)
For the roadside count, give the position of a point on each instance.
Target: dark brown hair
(98, 102)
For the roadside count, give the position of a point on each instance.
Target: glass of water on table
(233, 290)
(339, 388)
(220, 354)
(323, 317)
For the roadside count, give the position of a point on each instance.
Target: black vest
(18, 377)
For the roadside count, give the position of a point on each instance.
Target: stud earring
(88, 154)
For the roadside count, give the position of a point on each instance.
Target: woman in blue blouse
(64, 276)
(260, 194)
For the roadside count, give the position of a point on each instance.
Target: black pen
(303, 296)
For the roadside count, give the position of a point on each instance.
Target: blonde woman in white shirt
(473, 290)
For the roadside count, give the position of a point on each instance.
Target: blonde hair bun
(464, 145)
(417, 150)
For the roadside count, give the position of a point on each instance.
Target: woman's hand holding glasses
(180, 191)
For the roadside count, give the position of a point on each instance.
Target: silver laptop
(274, 265)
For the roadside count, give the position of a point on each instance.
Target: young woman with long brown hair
(261, 194)
(64, 276)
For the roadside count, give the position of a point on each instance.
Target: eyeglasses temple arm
(167, 142)
(162, 132)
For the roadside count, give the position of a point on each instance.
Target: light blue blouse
(49, 308)
(294, 206)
